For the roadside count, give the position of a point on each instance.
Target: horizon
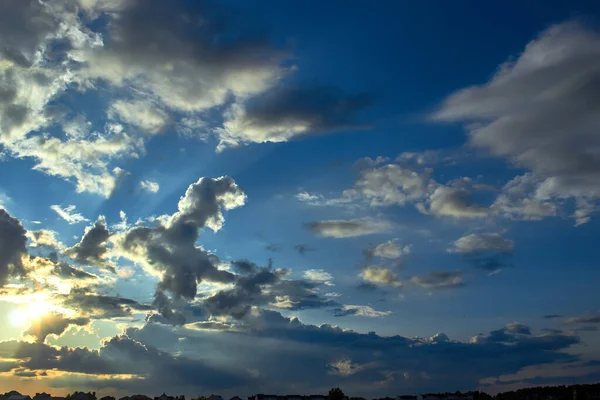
(223, 196)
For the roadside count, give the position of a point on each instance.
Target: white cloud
(518, 200)
(380, 275)
(68, 214)
(392, 185)
(141, 113)
(318, 200)
(349, 228)
(318, 275)
(149, 186)
(361, 311)
(390, 249)
(44, 237)
(484, 242)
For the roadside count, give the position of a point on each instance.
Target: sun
(38, 307)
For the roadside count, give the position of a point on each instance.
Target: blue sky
(364, 192)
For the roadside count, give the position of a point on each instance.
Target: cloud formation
(68, 214)
(538, 111)
(13, 248)
(340, 229)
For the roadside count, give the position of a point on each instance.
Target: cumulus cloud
(487, 251)
(372, 356)
(484, 242)
(439, 280)
(318, 275)
(380, 275)
(52, 324)
(149, 186)
(169, 248)
(140, 113)
(349, 228)
(68, 214)
(44, 237)
(538, 111)
(454, 201)
(100, 306)
(281, 113)
(390, 249)
(392, 185)
(92, 247)
(261, 286)
(360, 311)
(13, 241)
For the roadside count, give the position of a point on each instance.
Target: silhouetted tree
(336, 394)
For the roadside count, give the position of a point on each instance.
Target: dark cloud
(188, 66)
(260, 286)
(170, 247)
(368, 358)
(348, 228)
(553, 316)
(12, 247)
(165, 309)
(92, 247)
(284, 112)
(100, 306)
(64, 270)
(273, 247)
(121, 355)
(439, 280)
(24, 24)
(52, 324)
(302, 248)
(585, 319)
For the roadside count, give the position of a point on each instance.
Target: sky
(236, 197)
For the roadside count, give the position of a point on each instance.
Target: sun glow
(37, 307)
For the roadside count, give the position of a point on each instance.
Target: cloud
(517, 200)
(380, 275)
(68, 214)
(140, 113)
(44, 237)
(585, 319)
(348, 228)
(392, 185)
(189, 69)
(318, 275)
(262, 286)
(390, 249)
(279, 114)
(360, 311)
(169, 248)
(487, 251)
(485, 242)
(92, 247)
(439, 280)
(318, 350)
(99, 306)
(538, 111)
(149, 186)
(454, 201)
(302, 248)
(13, 241)
(52, 324)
